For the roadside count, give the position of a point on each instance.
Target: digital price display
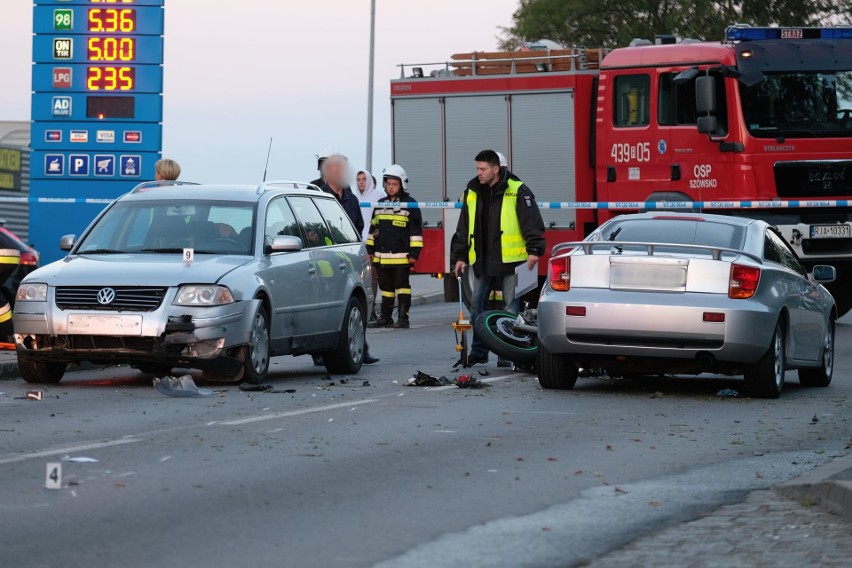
(111, 78)
(111, 20)
(111, 49)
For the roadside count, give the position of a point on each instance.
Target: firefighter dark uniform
(396, 235)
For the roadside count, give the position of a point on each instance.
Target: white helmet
(325, 154)
(503, 161)
(395, 171)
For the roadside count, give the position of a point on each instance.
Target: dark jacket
(350, 204)
(395, 231)
(487, 240)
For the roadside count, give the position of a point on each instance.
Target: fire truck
(764, 115)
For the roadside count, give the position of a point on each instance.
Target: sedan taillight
(559, 273)
(744, 281)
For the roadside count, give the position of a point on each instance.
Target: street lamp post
(369, 165)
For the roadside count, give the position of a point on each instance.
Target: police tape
(624, 205)
(658, 205)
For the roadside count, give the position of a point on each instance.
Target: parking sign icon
(78, 164)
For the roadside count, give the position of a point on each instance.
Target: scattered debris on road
(35, 395)
(79, 459)
(728, 393)
(180, 387)
(246, 387)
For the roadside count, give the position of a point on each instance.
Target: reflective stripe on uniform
(388, 294)
(416, 242)
(5, 313)
(403, 291)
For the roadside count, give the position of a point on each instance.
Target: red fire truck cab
(765, 114)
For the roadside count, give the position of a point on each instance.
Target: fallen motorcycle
(510, 336)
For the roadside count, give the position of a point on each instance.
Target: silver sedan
(218, 278)
(686, 294)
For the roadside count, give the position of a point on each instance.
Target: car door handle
(342, 266)
(312, 269)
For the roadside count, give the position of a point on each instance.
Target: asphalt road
(354, 475)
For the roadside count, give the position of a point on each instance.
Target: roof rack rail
(285, 184)
(162, 183)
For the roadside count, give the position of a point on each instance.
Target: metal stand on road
(460, 328)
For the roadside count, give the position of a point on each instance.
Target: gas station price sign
(97, 107)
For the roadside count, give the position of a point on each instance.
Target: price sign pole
(97, 109)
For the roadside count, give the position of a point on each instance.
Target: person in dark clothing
(394, 244)
(500, 227)
(334, 170)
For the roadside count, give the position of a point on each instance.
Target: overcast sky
(237, 73)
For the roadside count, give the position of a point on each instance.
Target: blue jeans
(482, 287)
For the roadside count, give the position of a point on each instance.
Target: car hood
(136, 270)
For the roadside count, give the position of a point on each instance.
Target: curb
(433, 298)
(829, 487)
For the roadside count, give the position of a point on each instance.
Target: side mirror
(707, 124)
(824, 274)
(67, 242)
(285, 243)
(705, 95)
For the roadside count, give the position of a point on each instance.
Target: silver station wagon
(217, 278)
(686, 294)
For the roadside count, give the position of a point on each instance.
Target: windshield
(799, 105)
(167, 227)
(676, 231)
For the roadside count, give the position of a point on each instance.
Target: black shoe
(475, 359)
(370, 360)
(401, 323)
(504, 363)
(318, 361)
(381, 322)
(373, 317)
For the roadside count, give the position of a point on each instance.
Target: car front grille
(126, 298)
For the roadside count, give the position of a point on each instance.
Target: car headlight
(202, 295)
(31, 293)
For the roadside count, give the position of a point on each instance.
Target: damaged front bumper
(204, 338)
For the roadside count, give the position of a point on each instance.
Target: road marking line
(290, 413)
(66, 450)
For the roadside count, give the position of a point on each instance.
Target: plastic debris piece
(247, 387)
(727, 392)
(815, 419)
(366, 383)
(468, 382)
(485, 373)
(35, 395)
(181, 387)
(421, 379)
(79, 459)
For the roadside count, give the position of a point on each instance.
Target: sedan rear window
(677, 231)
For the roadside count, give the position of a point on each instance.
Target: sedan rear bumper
(655, 325)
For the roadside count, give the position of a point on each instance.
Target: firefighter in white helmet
(394, 244)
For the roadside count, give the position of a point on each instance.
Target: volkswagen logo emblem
(106, 296)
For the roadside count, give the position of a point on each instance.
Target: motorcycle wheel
(497, 330)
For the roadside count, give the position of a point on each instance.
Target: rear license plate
(104, 325)
(830, 232)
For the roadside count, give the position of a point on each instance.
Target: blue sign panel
(100, 136)
(97, 109)
(105, 79)
(105, 18)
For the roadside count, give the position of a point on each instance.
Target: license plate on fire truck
(830, 232)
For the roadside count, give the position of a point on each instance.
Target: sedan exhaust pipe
(706, 361)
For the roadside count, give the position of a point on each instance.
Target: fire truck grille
(830, 179)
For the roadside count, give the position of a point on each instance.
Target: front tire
(821, 376)
(766, 378)
(41, 372)
(256, 362)
(496, 330)
(348, 356)
(555, 370)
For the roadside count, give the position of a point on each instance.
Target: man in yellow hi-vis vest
(9, 261)
(500, 227)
